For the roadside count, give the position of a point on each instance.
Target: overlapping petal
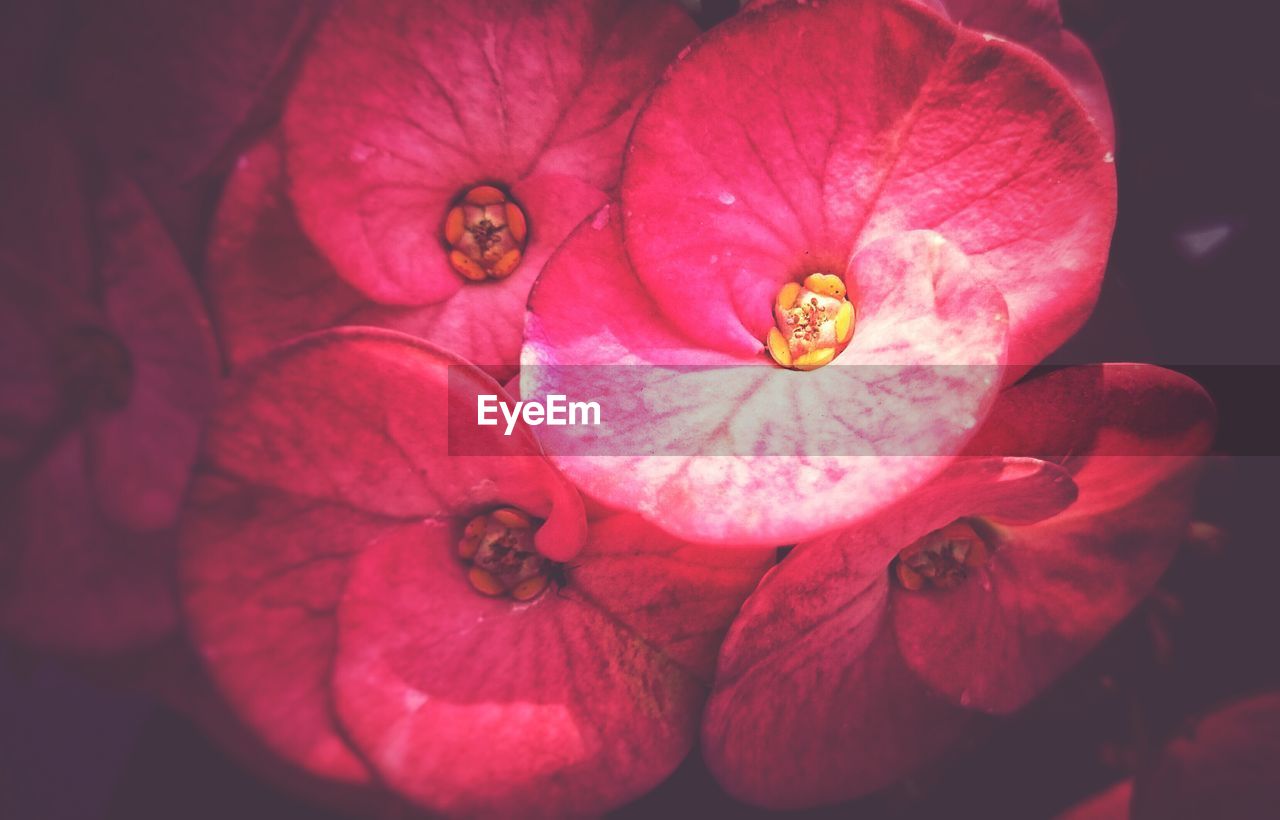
(792, 137)
(401, 107)
(109, 369)
(324, 593)
(268, 284)
(1072, 547)
(921, 371)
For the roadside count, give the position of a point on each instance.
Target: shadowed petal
(813, 704)
(574, 703)
(1052, 589)
(320, 451)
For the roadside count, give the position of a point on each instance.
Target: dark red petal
(268, 284)
(1224, 765)
(1109, 804)
(813, 703)
(165, 86)
(401, 107)
(1037, 24)
(320, 450)
(141, 456)
(72, 581)
(790, 150)
(572, 704)
(1052, 589)
(902, 402)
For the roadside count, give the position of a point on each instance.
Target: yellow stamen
(485, 195)
(844, 323)
(941, 559)
(510, 517)
(463, 265)
(516, 222)
(453, 225)
(484, 582)
(827, 284)
(485, 233)
(813, 322)
(508, 263)
(529, 589)
(498, 549)
(814, 359)
(787, 296)
(908, 577)
(778, 347)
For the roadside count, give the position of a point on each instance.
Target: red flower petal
(141, 456)
(903, 405)
(73, 581)
(320, 450)
(268, 284)
(813, 703)
(1052, 589)
(110, 371)
(1111, 803)
(166, 86)
(401, 107)
(1037, 24)
(790, 151)
(1224, 765)
(570, 705)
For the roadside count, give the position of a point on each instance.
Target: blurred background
(1192, 285)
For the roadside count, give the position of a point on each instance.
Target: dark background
(1191, 285)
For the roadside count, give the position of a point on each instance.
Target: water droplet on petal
(727, 198)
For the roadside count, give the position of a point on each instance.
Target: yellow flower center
(486, 234)
(941, 559)
(498, 549)
(813, 322)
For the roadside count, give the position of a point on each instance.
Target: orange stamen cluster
(942, 559)
(498, 547)
(486, 234)
(813, 322)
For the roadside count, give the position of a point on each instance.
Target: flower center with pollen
(813, 322)
(486, 234)
(942, 559)
(498, 549)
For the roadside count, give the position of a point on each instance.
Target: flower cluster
(809, 257)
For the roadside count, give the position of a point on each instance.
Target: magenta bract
(109, 372)
(323, 586)
(1071, 547)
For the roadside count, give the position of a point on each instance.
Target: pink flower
(108, 371)
(968, 597)
(359, 213)
(380, 611)
(952, 195)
